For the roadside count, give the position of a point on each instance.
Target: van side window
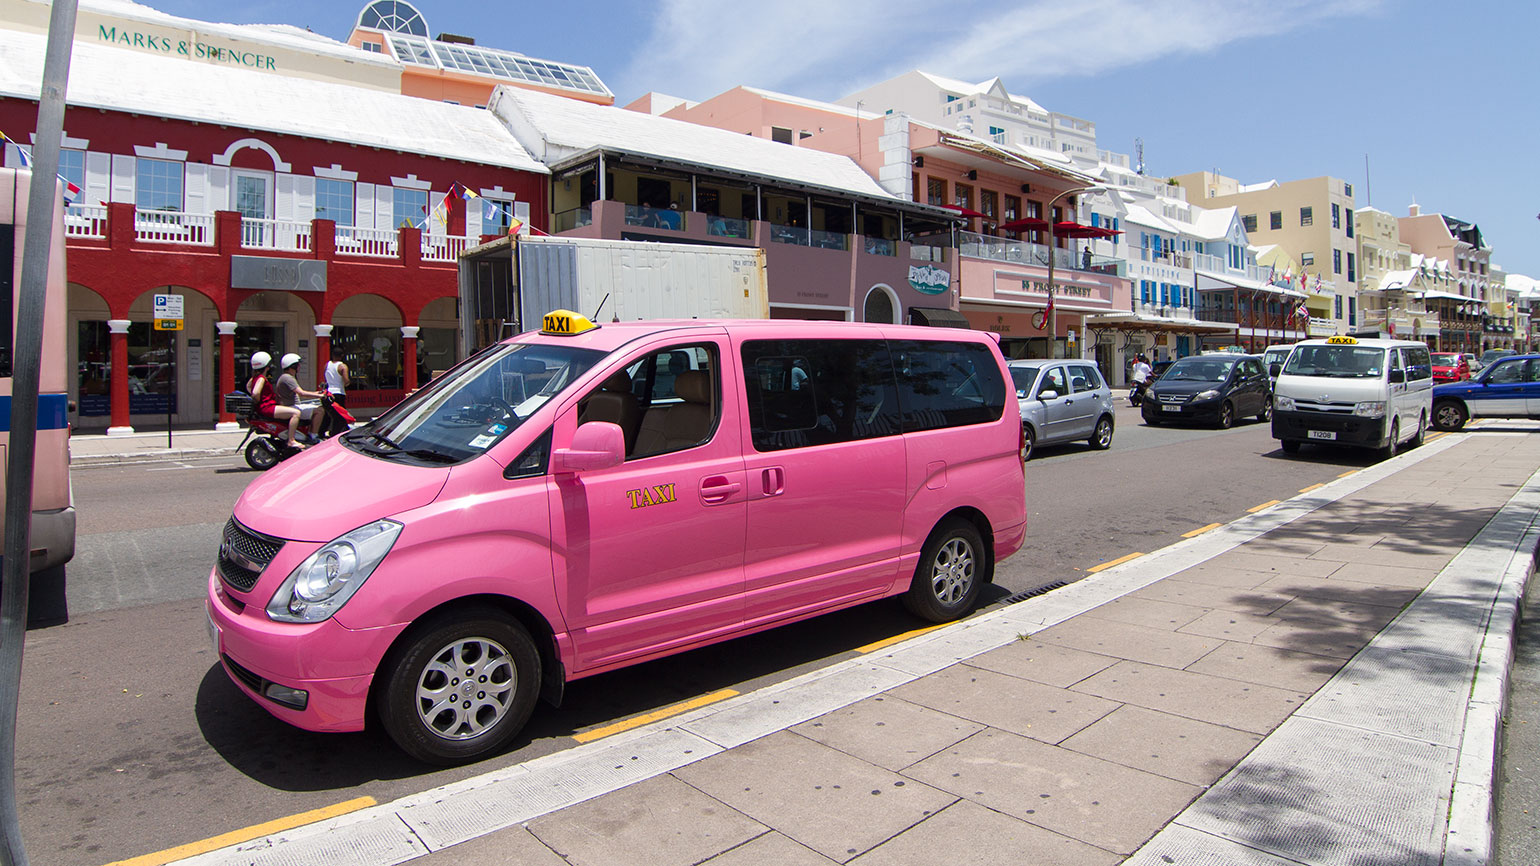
(680, 395)
(947, 384)
(818, 392)
(1419, 363)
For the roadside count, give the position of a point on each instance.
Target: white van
(1369, 393)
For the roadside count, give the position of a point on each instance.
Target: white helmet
(288, 361)
(260, 360)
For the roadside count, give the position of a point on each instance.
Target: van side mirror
(1397, 376)
(1274, 369)
(595, 445)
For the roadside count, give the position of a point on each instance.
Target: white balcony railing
(378, 243)
(444, 248)
(173, 227)
(264, 234)
(85, 221)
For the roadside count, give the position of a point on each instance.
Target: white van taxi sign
(565, 323)
(1339, 340)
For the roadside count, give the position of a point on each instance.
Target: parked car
(1491, 355)
(1275, 355)
(1473, 361)
(1510, 388)
(1450, 367)
(1062, 401)
(1215, 387)
(1363, 392)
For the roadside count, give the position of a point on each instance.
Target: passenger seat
(674, 426)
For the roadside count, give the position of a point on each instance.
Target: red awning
(1075, 230)
(967, 212)
(1104, 232)
(1025, 224)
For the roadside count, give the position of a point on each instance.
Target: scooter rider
(1141, 376)
(287, 392)
(260, 387)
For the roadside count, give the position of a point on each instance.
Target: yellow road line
(1311, 487)
(236, 837)
(898, 638)
(1202, 529)
(1119, 561)
(1432, 436)
(638, 721)
(1255, 508)
(1349, 472)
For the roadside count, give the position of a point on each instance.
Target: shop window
(334, 200)
(158, 185)
(373, 356)
(435, 352)
(94, 369)
(151, 363)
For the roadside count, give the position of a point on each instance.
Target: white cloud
(826, 48)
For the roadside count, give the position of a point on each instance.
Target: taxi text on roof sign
(565, 322)
(1348, 340)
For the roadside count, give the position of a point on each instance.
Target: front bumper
(1204, 410)
(1344, 428)
(332, 664)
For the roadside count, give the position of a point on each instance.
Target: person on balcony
(1085, 258)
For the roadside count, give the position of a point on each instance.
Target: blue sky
(1439, 96)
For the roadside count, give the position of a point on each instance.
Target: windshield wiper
(380, 437)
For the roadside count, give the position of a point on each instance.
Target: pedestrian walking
(336, 379)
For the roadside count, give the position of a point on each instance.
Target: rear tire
(1028, 439)
(953, 566)
(261, 456)
(1101, 437)
(1449, 415)
(460, 687)
(1422, 432)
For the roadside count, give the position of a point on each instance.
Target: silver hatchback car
(1062, 400)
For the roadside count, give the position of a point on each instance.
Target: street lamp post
(1053, 317)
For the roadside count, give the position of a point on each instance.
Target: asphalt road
(132, 740)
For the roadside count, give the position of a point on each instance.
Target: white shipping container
(630, 280)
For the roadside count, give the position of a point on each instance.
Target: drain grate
(1033, 593)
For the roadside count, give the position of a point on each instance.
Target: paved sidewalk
(87, 449)
(1297, 687)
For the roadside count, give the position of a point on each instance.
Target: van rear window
(819, 392)
(946, 384)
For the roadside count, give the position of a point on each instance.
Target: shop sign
(929, 279)
(277, 275)
(192, 49)
(1059, 288)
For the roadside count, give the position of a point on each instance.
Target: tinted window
(1336, 362)
(1023, 378)
(817, 392)
(1506, 373)
(947, 384)
(1419, 363)
(1084, 378)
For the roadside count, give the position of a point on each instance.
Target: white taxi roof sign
(1340, 340)
(565, 323)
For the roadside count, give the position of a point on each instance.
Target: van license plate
(1171, 408)
(1323, 434)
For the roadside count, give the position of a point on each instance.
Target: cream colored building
(1392, 294)
(1459, 243)
(1311, 221)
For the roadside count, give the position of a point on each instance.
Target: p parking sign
(168, 312)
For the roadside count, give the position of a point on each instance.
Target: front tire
(1289, 446)
(1449, 415)
(461, 688)
(1226, 416)
(261, 456)
(1101, 437)
(1266, 414)
(953, 566)
(1393, 445)
(1028, 439)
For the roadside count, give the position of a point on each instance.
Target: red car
(1450, 367)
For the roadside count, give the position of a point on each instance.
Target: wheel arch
(980, 522)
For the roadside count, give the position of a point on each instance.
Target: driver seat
(615, 403)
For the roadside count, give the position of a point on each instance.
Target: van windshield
(474, 405)
(1336, 362)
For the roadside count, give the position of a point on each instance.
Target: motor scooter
(1136, 392)
(271, 446)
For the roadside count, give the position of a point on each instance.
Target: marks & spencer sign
(192, 49)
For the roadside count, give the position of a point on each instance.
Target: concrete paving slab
(1172, 746)
(1124, 641)
(1283, 546)
(659, 822)
(769, 848)
(1214, 573)
(1273, 565)
(1229, 625)
(1385, 575)
(1008, 703)
(1253, 601)
(967, 834)
(1147, 612)
(1333, 612)
(888, 731)
(1046, 663)
(1381, 554)
(1269, 666)
(1411, 694)
(512, 845)
(1189, 847)
(1337, 588)
(1340, 641)
(1098, 802)
(837, 805)
(1240, 705)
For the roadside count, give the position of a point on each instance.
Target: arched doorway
(367, 337)
(881, 306)
(276, 323)
(171, 370)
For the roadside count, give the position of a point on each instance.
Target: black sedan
(1215, 388)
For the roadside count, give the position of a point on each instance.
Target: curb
(146, 456)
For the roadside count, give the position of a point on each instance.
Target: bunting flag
(514, 224)
(489, 211)
(1318, 282)
(71, 191)
(26, 158)
(1301, 311)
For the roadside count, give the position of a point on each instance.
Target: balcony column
(409, 355)
(323, 353)
(226, 374)
(118, 329)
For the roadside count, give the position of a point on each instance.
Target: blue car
(1509, 388)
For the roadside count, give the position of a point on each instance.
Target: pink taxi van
(582, 498)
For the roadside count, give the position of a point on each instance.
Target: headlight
(321, 584)
(1207, 395)
(1370, 409)
(1283, 404)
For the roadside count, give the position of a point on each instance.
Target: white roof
(1212, 224)
(285, 35)
(1397, 279)
(555, 129)
(141, 83)
(945, 83)
(1256, 187)
(1246, 283)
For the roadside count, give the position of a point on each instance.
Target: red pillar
(226, 372)
(409, 355)
(120, 425)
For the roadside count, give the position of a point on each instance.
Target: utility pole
(42, 198)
